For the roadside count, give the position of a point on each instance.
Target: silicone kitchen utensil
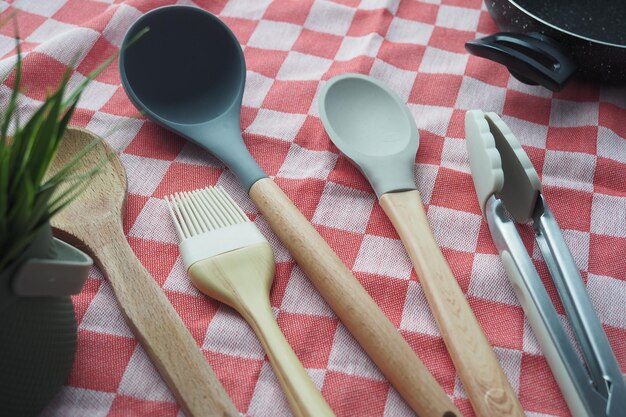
(188, 74)
(228, 259)
(506, 181)
(371, 125)
(93, 222)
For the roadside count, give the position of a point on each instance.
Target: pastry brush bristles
(203, 210)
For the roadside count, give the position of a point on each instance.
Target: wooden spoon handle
(486, 384)
(352, 304)
(162, 333)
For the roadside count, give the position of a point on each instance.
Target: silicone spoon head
(373, 127)
(187, 73)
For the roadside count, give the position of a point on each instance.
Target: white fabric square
(299, 66)
(355, 46)
(434, 119)
(395, 406)
(246, 9)
(284, 126)
(425, 176)
(608, 296)
(527, 133)
(7, 44)
(454, 229)
(72, 401)
(438, 61)
(274, 35)
(608, 215)
(416, 314)
(120, 22)
(611, 145)
(144, 174)
(268, 398)
(154, 223)
(391, 5)
(305, 163)
(118, 131)
(195, 155)
(399, 80)
(489, 280)
(329, 17)
(578, 244)
(458, 18)
(228, 333)
(70, 47)
(43, 8)
(257, 87)
(95, 95)
(344, 208)
(383, 256)
(533, 90)
(566, 113)
(454, 155)
(301, 297)
(573, 170)
(49, 30)
(103, 314)
(475, 94)
(409, 31)
(349, 358)
(142, 380)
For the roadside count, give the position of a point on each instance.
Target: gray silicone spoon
(188, 74)
(371, 125)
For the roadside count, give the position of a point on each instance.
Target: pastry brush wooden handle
(352, 304)
(484, 380)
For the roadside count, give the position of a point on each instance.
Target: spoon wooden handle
(484, 380)
(352, 304)
(161, 331)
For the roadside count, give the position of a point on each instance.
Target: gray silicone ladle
(373, 127)
(187, 73)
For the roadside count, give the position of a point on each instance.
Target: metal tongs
(509, 191)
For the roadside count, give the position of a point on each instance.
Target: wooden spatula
(93, 222)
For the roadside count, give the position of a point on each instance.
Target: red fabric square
(35, 83)
(461, 264)
(305, 194)
(350, 395)
(313, 136)
(465, 407)
(186, 177)
(610, 177)
(436, 89)
(100, 51)
(27, 23)
(134, 205)
(538, 389)
(351, 3)
(573, 139)
(405, 56)
(503, 324)
(288, 11)
(270, 153)
(213, 6)
(537, 156)
(484, 243)
(421, 12)
(101, 360)
(78, 12)
(82, 300)
(607, 256)
(196, 312)
(153, 141)
(361, 65)
(124, 406)
(264, 62)
(248, 114)
(473, 4)
(456, 126)
(430, 148)
(388, 293)
(527, 107)
(281, 279)
(380, 225)
(452, 40)
(82, 117)
(237, 375)
(242, 28)
(158, 267)
(120, 105)
(300, 330)
(345, 244)
(345, 173)
(432, 351)
(319, 44)
(290, 96)
(486, 24)
(487, 71)
(455, 190)
(571, 208)
(612, 116)
(616, 337)
(100, 21)
(365, 22)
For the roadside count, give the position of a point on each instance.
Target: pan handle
(531, 58)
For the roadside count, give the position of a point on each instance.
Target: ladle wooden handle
(352, 304)
(484, 380)
(161, 332)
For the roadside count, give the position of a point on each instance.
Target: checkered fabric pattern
(576, 140)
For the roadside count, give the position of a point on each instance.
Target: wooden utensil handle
(163, 334)
(486, 384)
(352, 304)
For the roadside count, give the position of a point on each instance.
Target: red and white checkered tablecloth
(576, 140)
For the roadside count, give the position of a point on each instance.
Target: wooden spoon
(93, 222)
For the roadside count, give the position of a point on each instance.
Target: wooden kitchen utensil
(93, 222)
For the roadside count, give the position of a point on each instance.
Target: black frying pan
(545, 42)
